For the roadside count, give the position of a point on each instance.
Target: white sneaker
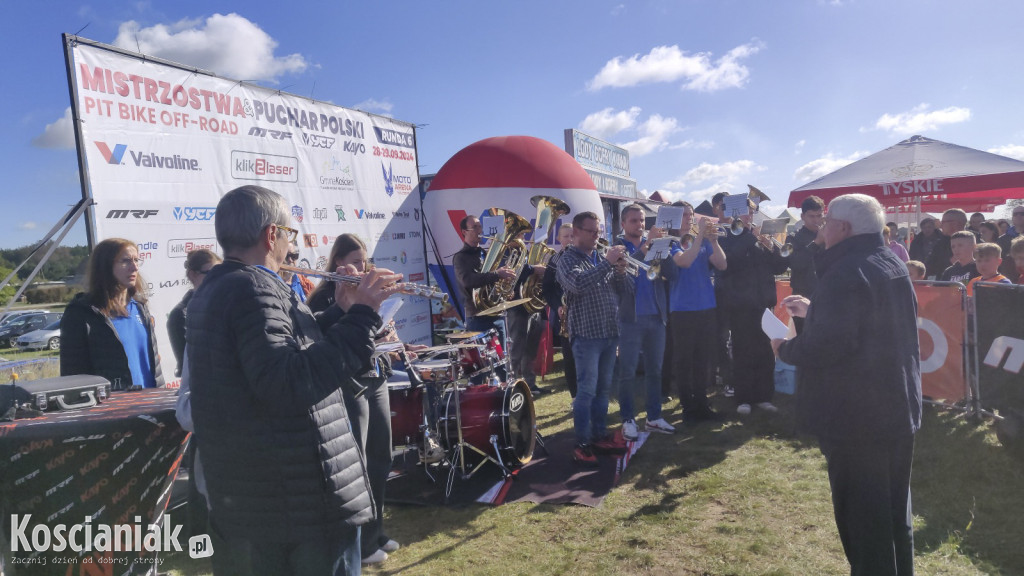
(390, 546)
(376, 558)
(659, 425)
(629, 431)
(767, 407)
(743, 409)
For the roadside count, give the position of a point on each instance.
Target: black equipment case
(61, 393)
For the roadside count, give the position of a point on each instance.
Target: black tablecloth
(113, 463)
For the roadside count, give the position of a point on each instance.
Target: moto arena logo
(89, 537)
(259, 166)
(392, 183)
(115, 157)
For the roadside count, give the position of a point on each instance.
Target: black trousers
(693, 346)
(370, 418)
(520, 354)
(871, 498)
(753, 362)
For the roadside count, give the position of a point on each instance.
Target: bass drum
(505, 412)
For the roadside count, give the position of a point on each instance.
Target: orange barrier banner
(941, 319)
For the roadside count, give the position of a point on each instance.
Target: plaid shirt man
(592, 290)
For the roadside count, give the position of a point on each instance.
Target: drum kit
(493, 421)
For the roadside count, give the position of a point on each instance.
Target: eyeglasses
(125, 262)
(292, 256)
(478, 227)
(292, 232)
(594, 232)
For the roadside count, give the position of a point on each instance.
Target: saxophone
(549, 210)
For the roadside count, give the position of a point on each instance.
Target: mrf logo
(115, 214)
(112, 156)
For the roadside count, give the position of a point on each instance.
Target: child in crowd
(1017, 253)
(987, 257)
(916, 269)
(963, 268)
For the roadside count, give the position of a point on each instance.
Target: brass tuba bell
(549, 210)
(504, 251)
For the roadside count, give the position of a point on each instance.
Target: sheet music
(660, 249)
(736, 205)
(388, 309)
(669, 217)
(772, 326)
(776, 226)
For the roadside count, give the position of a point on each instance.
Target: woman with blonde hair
(108, 331)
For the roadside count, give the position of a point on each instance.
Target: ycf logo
(116, 214)
(318, 141)
(194, 213)
(392, 183)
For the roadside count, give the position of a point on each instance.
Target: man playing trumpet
(745, 290)
(692, 305)
(593, 284)
(642, 319)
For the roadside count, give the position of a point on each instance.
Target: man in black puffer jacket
(285, 475)
(859, 389)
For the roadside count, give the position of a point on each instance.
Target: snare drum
(435, 371)
(406, 414)
(505, 412)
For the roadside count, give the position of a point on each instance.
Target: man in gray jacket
(286, 479)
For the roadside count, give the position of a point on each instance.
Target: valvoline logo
(112, 157)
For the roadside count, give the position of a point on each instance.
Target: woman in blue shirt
(108, 331)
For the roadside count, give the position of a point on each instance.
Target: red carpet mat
(551, 478)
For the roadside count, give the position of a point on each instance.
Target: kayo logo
(112, 157)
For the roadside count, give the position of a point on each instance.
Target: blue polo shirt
(131, 330)
(692, 290)
(644, 291)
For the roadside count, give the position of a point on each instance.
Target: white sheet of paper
(735, 206)
(772, 326)
(388, 309)
(669, 217)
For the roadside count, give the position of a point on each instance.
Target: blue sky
(707, 95)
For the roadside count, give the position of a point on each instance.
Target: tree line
(67, 264)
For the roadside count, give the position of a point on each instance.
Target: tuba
(549, 210)
(504, 251)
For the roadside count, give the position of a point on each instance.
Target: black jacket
(281, 461)
(176, 330)
(749, 279)
(940, 258)
(467, 263)
(803, 276)
(857, 357)
(89, 344)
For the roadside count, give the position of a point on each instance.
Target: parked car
(11, 315)
(25, 324)
(44, 338)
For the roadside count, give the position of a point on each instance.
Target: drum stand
(458, 461)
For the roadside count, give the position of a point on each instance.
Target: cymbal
(463, 335)
(503, 306)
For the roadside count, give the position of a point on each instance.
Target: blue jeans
(595, 365)
(647, 334)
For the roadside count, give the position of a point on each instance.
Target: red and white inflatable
(500, 172)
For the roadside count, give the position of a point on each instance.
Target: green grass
(742, 498)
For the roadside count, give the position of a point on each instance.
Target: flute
(410, 288)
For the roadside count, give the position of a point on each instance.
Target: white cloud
(920, 119)
(693, 145)
(619, 10)
(712, 178)
(27, 225)
(59, 134)
(654, 134)
(669, 64)
(1015, 151)
(229, 45)
(606, 123)
(829, 163)
(382, 107)
(799, 146)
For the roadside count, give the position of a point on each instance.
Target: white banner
(162, 144)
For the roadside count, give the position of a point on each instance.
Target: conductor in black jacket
(286, 479)
(859, 389)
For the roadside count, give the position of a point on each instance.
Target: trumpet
(410, 288)
(785, 250)
(633, 266)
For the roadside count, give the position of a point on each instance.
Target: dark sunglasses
(293, 256)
